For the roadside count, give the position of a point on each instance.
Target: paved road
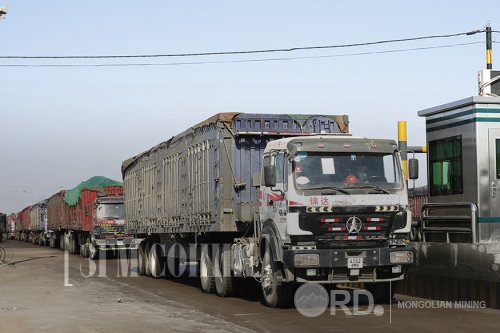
(33, 297)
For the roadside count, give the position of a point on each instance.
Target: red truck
(23, 224)
(89, 218)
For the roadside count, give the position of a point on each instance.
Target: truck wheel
(155, 263)
(277, 294)
(222, 272)
(207, 282)
(147, 267)
(141, 260)
(413, 234)
(383, 292)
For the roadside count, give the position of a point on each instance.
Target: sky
(63, 125)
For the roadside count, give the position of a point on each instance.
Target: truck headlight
(401, 257)
(306, 259)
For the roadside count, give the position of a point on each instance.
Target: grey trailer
(199, 183)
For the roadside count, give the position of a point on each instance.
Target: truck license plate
(119, 242)
(354, 262)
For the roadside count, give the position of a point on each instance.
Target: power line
(249, 51)
(244, 60)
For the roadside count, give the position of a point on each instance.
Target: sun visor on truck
(340, 143)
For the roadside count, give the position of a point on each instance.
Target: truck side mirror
(412, 168)
(270, 175)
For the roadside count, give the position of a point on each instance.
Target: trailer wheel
(141, 261)
(147, 267)
(383, 292)
(207, 282)
(277, 294)
(222, 272)
(155, 262)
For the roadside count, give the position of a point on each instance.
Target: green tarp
(95, 183)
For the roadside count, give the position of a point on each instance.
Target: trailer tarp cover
(95, 183)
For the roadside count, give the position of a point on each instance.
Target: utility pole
(488, 48)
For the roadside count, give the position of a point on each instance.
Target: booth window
(446, 173)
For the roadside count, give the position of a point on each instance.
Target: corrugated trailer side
(57, 212)
(200, 181)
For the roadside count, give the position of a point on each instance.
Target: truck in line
(38, 223)
(88, 219)
(23, 224)
(281, 199)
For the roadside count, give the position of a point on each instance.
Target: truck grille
(348, 227)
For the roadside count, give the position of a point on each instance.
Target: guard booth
(463, 141)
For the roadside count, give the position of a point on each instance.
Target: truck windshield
(114, 210)
(373, 172)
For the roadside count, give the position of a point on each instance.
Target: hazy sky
(62, 125)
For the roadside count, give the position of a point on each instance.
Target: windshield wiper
(376, 188)
(333, 188)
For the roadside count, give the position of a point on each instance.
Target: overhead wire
(243, 60)
(473, 32)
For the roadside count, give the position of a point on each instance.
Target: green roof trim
(94, 183)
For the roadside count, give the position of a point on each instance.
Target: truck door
(494, 157)
(273, 202)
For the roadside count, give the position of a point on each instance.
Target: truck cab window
(279, 162)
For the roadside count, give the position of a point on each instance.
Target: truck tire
(207, 282)
(141, 261)
(276, 293)
(147, 267)
(222, 272)
(155, 263)
(414, 234)
(383, 292)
